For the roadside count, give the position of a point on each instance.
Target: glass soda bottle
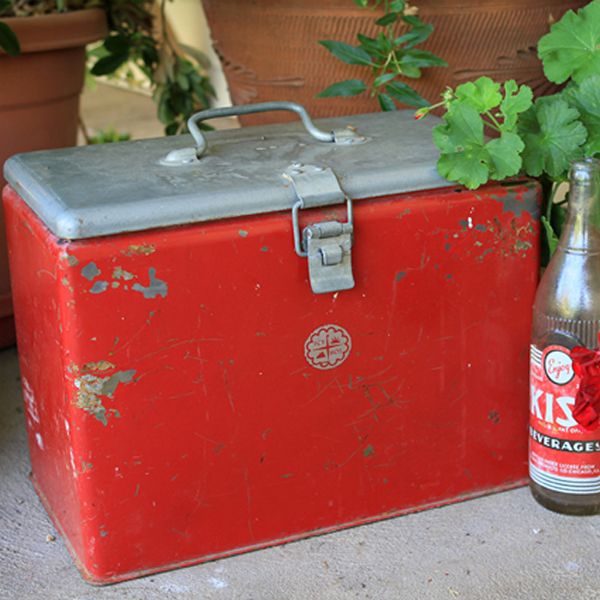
(564, 456)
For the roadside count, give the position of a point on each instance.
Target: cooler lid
(107, 189)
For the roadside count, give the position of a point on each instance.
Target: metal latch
(328, 244)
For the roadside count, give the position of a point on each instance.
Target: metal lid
(112, 188)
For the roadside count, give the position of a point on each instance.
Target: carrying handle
(230, 111)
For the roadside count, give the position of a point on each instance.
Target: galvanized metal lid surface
(112, 188)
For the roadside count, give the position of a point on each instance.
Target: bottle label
(563, 456)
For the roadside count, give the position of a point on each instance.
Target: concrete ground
(502, 547)
(498, 547)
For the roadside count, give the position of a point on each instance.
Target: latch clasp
(327, 244)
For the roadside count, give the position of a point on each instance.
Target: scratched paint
(92, 389)
(156, 287)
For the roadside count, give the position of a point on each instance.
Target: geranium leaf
(516, 100)
(505, 155)
(586, 99)
(572, 48)
(482, 94)
(553, 136)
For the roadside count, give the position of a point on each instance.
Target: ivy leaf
(516, 100)
(586, 99)
(347, 53)
(572, 48)
(553, 136)
(350, 87)
(482, 94)
(8, 40)
(405, 94)
(386, 103)
(505, 155)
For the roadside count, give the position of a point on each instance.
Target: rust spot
(494, 417)
(136, 249)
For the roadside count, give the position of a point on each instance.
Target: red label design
(563, 456)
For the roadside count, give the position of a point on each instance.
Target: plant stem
(493, 119)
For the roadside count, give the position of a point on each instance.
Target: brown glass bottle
(564, 475)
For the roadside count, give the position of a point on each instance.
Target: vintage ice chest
(298, 331)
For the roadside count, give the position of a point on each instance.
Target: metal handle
(230, 111)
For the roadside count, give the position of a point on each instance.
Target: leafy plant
(391, 55)
(540, 137)
(176, 73)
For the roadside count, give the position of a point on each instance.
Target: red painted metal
(178, 422)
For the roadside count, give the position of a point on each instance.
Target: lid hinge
(327, 244)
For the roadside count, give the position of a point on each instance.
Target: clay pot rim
(56, 31)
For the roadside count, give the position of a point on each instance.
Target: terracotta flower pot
(39, 102)
(270, 51)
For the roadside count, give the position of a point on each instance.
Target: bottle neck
(581, 231)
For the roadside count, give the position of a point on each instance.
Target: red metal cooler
(277, 333)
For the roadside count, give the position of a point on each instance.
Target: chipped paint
(156, 287)
(368, 451)
(480, 227)
(91, 389)
(400, 275)
(39, 441)
(86, 466)
(264, 249)
(115, 285)
(72, 261)
(99, 287)
(90, 271)
(136, 249)
(405, 212)
(519, 200)
(243, 233)
(121, 273)
(101, 365)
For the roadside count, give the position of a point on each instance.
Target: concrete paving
(497, 547)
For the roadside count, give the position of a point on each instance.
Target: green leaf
(117, 44)
(386, 103)
(109, 64)
(504, 154)
(421, 59)
(553, 136)
(361, 3)
(482, 94)
(551, 237)
(405, 94)
(516, 100)
(418, 34)
(347, 53)
(350, 87)
(397, 6)
(465, 155)
(388, 19)
(383, 79)
(8, 40)
(586, 99)
(572, 48)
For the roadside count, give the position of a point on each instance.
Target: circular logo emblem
(327, 347)
(558, 367)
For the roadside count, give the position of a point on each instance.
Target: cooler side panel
(41, 316)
